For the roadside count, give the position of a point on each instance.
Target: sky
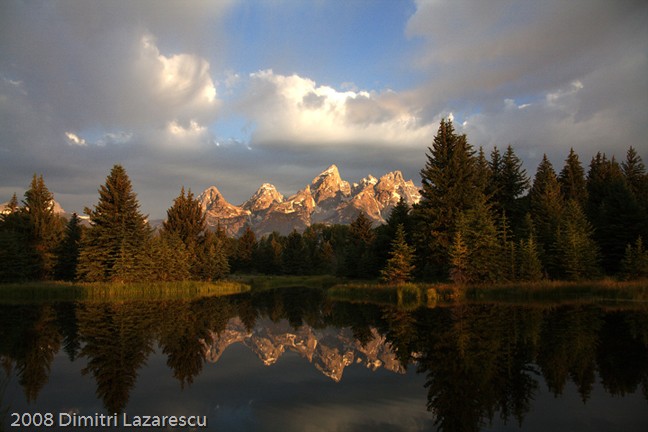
(239, 93)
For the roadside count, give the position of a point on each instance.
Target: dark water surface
(292, 360)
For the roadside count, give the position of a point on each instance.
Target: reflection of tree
(66, 316)
(622, 356)
(118, 339)
(568, 346)
(180, 339)
(476, 359)
(29, 335)
(401, 334)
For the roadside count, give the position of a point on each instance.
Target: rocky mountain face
(327, 199)
(329, 350)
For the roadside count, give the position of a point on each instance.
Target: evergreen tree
(186, 222)
(245, 250)
(529, 267)
(637, 179)
(634, 171)
(16, 255)
(572, 180)
(186, 219)
(484, 173)
(613, 210)
(508, 183)
(269, 253)
(635, 261)
(358, 256)
(576, 251)
(477, 234)
(401, 257)
(212, 258)
(546, 208)
(449, 187)
(164, 258)
(68, 251)
(295, 255)
(117, 234)
(45, 227)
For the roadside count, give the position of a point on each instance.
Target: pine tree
(572, 180)
(399, 266)
(68, 251)
(45, 227)
(450, 186)
(117, 234)
(576, 251)
(546, 208)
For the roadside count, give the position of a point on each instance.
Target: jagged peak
(331, 171)
(396, 175)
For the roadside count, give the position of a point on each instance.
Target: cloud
(74, 139)
(295, 109)
(542, 76)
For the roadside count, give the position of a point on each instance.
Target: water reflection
(481, 362)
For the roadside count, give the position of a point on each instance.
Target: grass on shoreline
(101, 291)
(413, 295)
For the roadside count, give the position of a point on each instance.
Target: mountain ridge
(327, 199)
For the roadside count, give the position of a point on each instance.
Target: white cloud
(290, 109)
(74, 139)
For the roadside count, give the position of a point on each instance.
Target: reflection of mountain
(329, 349)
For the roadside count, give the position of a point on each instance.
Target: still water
(295, 360)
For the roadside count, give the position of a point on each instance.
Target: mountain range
(327, 199)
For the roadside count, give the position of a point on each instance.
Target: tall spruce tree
(44, 226)
(450, 187)
(546, 205)
(117, 234)
(575, 248)
(572, 180)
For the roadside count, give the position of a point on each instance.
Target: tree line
(480, 220)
